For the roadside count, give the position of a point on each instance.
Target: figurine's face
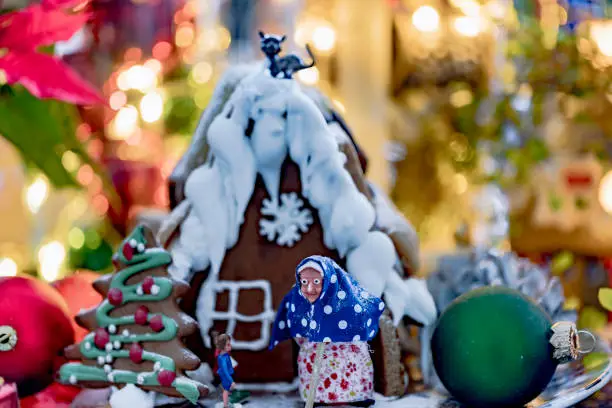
(311, 284)
(228, 346)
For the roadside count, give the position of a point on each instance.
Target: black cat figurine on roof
(271, 46)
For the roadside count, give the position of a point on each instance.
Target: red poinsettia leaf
(65, 4)
(47, 77)
(36, 26)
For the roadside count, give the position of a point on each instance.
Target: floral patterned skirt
(346, 374)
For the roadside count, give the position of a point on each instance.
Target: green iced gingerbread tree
(136, 331)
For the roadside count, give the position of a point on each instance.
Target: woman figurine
(327, 306)
(223, 344)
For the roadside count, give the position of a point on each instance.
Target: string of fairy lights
(140, 94)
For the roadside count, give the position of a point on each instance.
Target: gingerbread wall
(252, 258)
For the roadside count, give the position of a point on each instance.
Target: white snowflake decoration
(288, 221)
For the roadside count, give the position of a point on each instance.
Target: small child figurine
(223, 343)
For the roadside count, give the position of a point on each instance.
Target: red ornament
(157, 323)
(147, 284)
(101, 338)
(136, 353)
(40, 317)
(166, 377)
(79, 294)
(128, 251)
(141, 314)
(139, 185)
(115, 296)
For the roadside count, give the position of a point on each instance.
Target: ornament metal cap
(566, 342)
(8, 338)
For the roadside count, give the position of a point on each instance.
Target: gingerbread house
(559, 218)
(273, 175)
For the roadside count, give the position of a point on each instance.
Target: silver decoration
(465, 271)
(459, 273)
(565, 342)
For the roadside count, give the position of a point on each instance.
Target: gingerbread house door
(255, 276)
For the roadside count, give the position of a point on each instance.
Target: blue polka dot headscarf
(344, 312)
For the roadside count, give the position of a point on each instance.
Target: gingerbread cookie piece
(136, 331)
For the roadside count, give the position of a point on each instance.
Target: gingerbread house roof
(400, 231)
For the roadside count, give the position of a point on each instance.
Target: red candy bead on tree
(136, 353)
(101, 338)
(165, 378)
(147, 284)
(156, 323)
(115, 297)
(140, 316)
(128, 251)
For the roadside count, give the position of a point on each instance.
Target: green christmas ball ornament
(495, 347)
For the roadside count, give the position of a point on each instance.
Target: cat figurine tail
(312, 58)
(290, 64)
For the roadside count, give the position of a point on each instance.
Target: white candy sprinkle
(341, 294)
(107, 368)
(292, 307)
(133, 242)
(381, 306)
(109, 358)
(327, 309)
(110, 377)
(125, 332)
(287, 305)
(87, 346)
(117, 344)
(112, 329)
(155, 289)
(298, 335)
(140, 379)
(289, 323)
(281, 324)
(141, 247)
(327, 340)
(101, 360)
(369, 322)
(357, 338)
(304, 322)
(342, 324)
(72, 379)
(157, 366)
(109, 346)
(358, 308)
(333, 279)
(313, 325)
(139, 291)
